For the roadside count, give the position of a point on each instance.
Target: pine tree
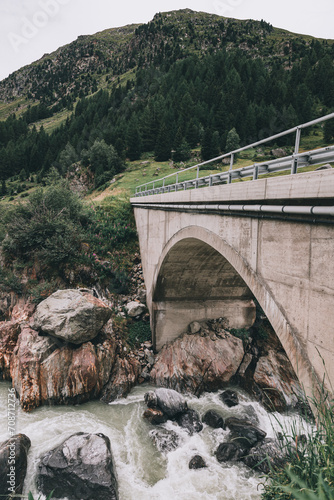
(163, 147)
(133, 140)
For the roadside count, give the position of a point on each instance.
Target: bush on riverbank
(55, 237)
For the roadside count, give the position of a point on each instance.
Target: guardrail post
(297, 142)
(231, 161)
(210, 180)
(177, 178)
(256, 173)
(197, 175)
(294, 165)
(229, 178)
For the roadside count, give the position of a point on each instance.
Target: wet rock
(275, 378)
(135, 309)
(71, 315)
(170, 402)
(155, 416)
(230, 451)
(164, 439)
(214, 420)
(194, 364)
(123, 378)
(243, 432)
(13, 464)
(197, 462)
(81, 467)
(265, 456)
(191, 421)
(230, 398)
(9, 334)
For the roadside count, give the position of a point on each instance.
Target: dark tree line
(195, 102)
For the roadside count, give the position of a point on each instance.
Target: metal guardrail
(293, 163)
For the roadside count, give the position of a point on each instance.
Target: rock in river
(81, 467)
(13, 464)
(170, 402)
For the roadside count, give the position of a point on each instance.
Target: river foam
(143, 472)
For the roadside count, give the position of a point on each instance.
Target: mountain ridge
(115, 51)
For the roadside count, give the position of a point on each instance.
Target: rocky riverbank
(70, 349)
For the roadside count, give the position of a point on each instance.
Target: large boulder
(81, 467)
(9, 333)
(275, 378)
(29, 353)
(71, 315)
(13, 465)
(195, 364)
(170, 402)
(43, 372)
(124, 376)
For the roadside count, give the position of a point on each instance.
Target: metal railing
(293, 163)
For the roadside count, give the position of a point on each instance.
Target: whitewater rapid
(143, 473)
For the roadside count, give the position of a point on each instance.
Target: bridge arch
(200, 276)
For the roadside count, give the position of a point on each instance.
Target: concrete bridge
(209, 252)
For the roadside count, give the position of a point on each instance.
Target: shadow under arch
(200, 276)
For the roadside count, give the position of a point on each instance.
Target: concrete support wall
(198, 265)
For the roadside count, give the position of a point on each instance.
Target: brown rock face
(43, 372)
(124, 376)
(9, 333)
(276, 379)
(195, 364)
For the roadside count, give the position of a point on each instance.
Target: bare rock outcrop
(124, 376)
(194, 363)
(9, 334)
(44, 372)
(275, 378)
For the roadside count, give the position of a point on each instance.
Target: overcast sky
(31, 28)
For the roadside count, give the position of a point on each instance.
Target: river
(144, 473)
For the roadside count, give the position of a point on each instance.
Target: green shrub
(139, 332)
(240, 333)
(49, 227)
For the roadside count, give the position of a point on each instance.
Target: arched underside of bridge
(200, 276)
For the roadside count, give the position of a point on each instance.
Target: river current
(143, 472)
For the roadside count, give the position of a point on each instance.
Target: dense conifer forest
(185, 80)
